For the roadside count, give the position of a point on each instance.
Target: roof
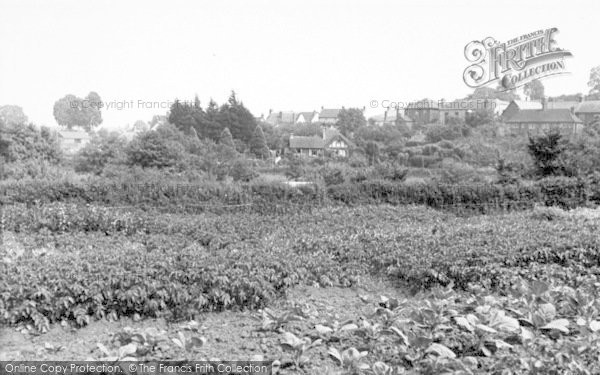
(423, 104)
(329, 113)
(307, 115)
(314, 142)
(527, 104)
(281, 117)
(306, 142)
(591, 106)
(545, 116)
(562, 105)
(391, 117)
(73, 134)
(331, 134)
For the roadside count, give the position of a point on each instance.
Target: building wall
(540, 128)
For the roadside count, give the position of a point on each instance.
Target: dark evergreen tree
(258, 144)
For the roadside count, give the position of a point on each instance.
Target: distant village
(514, 117)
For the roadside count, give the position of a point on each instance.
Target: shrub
(242, 170)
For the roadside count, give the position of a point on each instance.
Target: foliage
(11, 115)
(24, 142)
(153, 149)
(534, 90)
(72, 111)
(546, 152)
(594, 81)
(226, 139)
(103, 149)
(258, 144)
(350, 119)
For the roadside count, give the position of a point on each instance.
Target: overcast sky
(284, 55)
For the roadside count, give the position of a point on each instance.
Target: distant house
(329, 116)
(457, 109)
(307, 117)
(281, 118)
(332, 142)
(518, 105)
(72, 141)
(496, 106)
(392, 116)
(588, 111)
(537, 121)
(423, 112)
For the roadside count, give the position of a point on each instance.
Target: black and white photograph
(299, 187)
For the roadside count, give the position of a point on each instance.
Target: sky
(280, 55)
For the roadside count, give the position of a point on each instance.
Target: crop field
(361, 290)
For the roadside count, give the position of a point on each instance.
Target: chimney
(270, 111)
(322, 108)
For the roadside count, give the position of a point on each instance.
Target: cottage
(329, 116)
(391, 117)
(536, 121)
(423, 112)
(495, 106)
(281, 118)
(589, 111)
(457, 109)
(72, 141)
(332, 142)
(518, 105)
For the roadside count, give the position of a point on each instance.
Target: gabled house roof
(281, 117)
(308, 116)
(544, 116)
(313, 142)
(527, 104)
(592, 106)
(329, 113)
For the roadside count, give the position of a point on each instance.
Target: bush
(242, 170)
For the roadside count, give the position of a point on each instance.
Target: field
(368, 289)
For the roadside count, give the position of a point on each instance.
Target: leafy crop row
(178, 265)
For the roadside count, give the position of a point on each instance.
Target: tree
(594, 82)
(372, 152)
(71, 111)
(349, 120)
(12, 115)
(22, 142)
(546, 152)
(237, 118)
(226, 139)
(258, 143)
(493, 93)
(534, 90)
(152, 149)
(183, 115)
(208, 124)
(104, 148)
(140, 126)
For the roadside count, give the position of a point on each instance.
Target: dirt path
(229, 335)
